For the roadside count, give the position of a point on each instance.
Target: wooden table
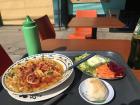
(120, 46)
(98, 22)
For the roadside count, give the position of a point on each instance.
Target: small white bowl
(83, 90)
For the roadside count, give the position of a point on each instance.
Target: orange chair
(83, 33)
(5, 61)
(45, 28)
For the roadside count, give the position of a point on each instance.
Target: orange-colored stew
(34, 75)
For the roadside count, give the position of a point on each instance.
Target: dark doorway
(132, 5)
(130, 14)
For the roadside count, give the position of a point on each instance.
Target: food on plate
(102, 67)
(90, 65)
(110, 71)
(96, 90)
(33, 75)
(96, 60)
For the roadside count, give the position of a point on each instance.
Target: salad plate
(101, 67)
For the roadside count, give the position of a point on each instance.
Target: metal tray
(127, 89)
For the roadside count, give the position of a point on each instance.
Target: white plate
(62, 59)
(45, 95)
(82, 90)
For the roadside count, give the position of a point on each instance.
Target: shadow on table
(1, 87)
(60, 49)
(122, 30)
(135, 102)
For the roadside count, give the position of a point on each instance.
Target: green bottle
(134, 57)
(31, 37)
(137, 52)
(137, 28)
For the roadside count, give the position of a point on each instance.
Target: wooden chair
(45, 28)
(83, 33)
(5, 60)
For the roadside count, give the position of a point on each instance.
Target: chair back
(45, 28)
(5, 61)
(85, 13)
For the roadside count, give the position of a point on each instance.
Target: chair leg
(94, 33)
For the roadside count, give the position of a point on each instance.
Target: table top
(120, 46)
(71, 96)
(98, 22)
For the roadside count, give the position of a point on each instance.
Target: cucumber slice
(96, 60)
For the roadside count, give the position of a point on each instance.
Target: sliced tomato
(32, 79)
(49, 79)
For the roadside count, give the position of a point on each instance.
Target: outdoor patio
(11, 38)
